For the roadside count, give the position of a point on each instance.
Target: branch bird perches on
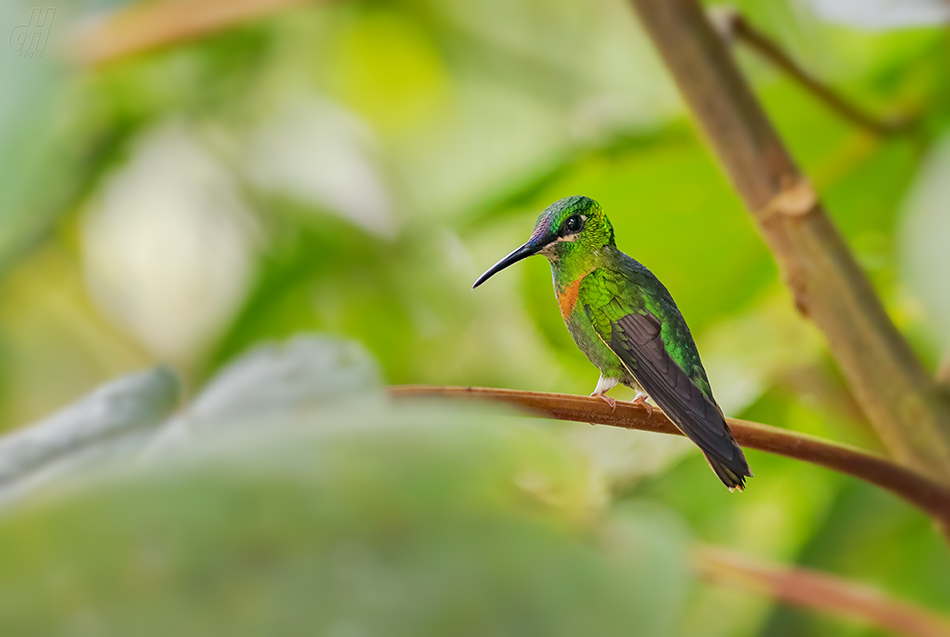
(917, 489)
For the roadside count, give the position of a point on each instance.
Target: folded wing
(637, 340)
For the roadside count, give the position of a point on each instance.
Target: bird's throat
(567, 293)
(567, 298)
(570, 265)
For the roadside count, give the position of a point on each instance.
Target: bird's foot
(610, 401)
(641, 401)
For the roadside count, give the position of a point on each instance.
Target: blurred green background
(348, 169)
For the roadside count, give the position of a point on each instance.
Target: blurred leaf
(49, 323)
(925, 235)
(883, 14)
(365, 518)
(100, 425)
(168, 242)
(302, 372)
(313, 150)
(35, 179)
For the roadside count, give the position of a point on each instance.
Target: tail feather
(730, 477)
(637, 339)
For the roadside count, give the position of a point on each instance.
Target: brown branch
(817, 591)
(733, 25)
(145, 27)
(943, 371)
(922, 492)
(898, 396)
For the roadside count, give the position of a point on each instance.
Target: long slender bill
(523, 252)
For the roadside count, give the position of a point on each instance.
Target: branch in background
(144, 27)
(943, 371)
(896, 393)
(931, 497)
(732, 25)
(817, 591)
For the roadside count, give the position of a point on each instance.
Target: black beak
(525, 251)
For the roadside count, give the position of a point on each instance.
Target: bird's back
(636, 318)
(677, 339)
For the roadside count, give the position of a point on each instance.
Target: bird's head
(570, 228)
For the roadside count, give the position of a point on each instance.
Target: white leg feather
(604, 385)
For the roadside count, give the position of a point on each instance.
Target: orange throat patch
(567, 298)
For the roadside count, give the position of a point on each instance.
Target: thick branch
(899, 397)
(141, 28)
(931, 497)
(817, 591)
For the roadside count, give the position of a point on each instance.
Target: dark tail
(732, 476)
(637, 339)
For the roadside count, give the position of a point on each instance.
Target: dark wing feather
(637, 340)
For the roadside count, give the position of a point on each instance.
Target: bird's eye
(572, 225)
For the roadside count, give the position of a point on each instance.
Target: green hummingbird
(628, 325)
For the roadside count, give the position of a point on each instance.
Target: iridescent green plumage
(628, 325)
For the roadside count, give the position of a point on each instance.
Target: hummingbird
(626, 322)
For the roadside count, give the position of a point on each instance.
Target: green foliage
(340, 515)
(350, 168)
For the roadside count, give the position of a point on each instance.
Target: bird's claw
(610, 401)
(641, 401)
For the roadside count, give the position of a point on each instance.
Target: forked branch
(733, 26)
